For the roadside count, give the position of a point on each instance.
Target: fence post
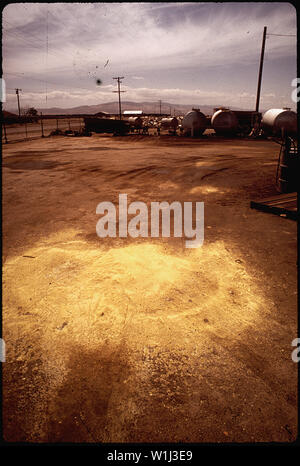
(5, 136)
(42, 125)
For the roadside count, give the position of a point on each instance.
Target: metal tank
(137, 122)
(194, 123)
(169, 123)
(224, 122)
(279, 121)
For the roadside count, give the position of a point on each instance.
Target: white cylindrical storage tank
(224, 122)
(137, 122)
(277, 121)
(194, 123)
(169, 123)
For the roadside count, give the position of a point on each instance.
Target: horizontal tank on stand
(169, 123)
(279, 121)
(224, 122)
(137, 122)
(194, 123)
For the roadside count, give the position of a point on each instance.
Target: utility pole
(17, 92)
(119, 92)
(260, 69)
(159, 107)
(42, 126)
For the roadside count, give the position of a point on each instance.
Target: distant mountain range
(113, 107)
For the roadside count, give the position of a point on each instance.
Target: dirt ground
(144, 340)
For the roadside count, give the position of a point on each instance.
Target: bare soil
(144, 340)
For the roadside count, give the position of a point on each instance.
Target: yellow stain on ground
(207, 190)
(72, 281)
(71, 297)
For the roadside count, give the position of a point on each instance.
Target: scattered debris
(69, 132)
(62, 326)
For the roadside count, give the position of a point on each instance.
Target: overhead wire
(49, 82)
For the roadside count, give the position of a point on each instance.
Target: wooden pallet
(282, 204)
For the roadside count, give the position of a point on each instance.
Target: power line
(49, 50)
(24, 40)
(43, 81)
(49, 82)
(282, 35)
(33, 44)
(36, 38)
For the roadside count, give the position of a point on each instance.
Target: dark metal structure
(106, 125)
(288, 166)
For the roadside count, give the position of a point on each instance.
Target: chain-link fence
(22, 131)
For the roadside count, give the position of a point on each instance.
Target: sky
(66, 54)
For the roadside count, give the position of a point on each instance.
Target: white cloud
(66, 99)
(129, 36)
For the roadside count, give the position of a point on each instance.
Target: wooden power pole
(119, 92)
(17, 92)
(261, 69)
